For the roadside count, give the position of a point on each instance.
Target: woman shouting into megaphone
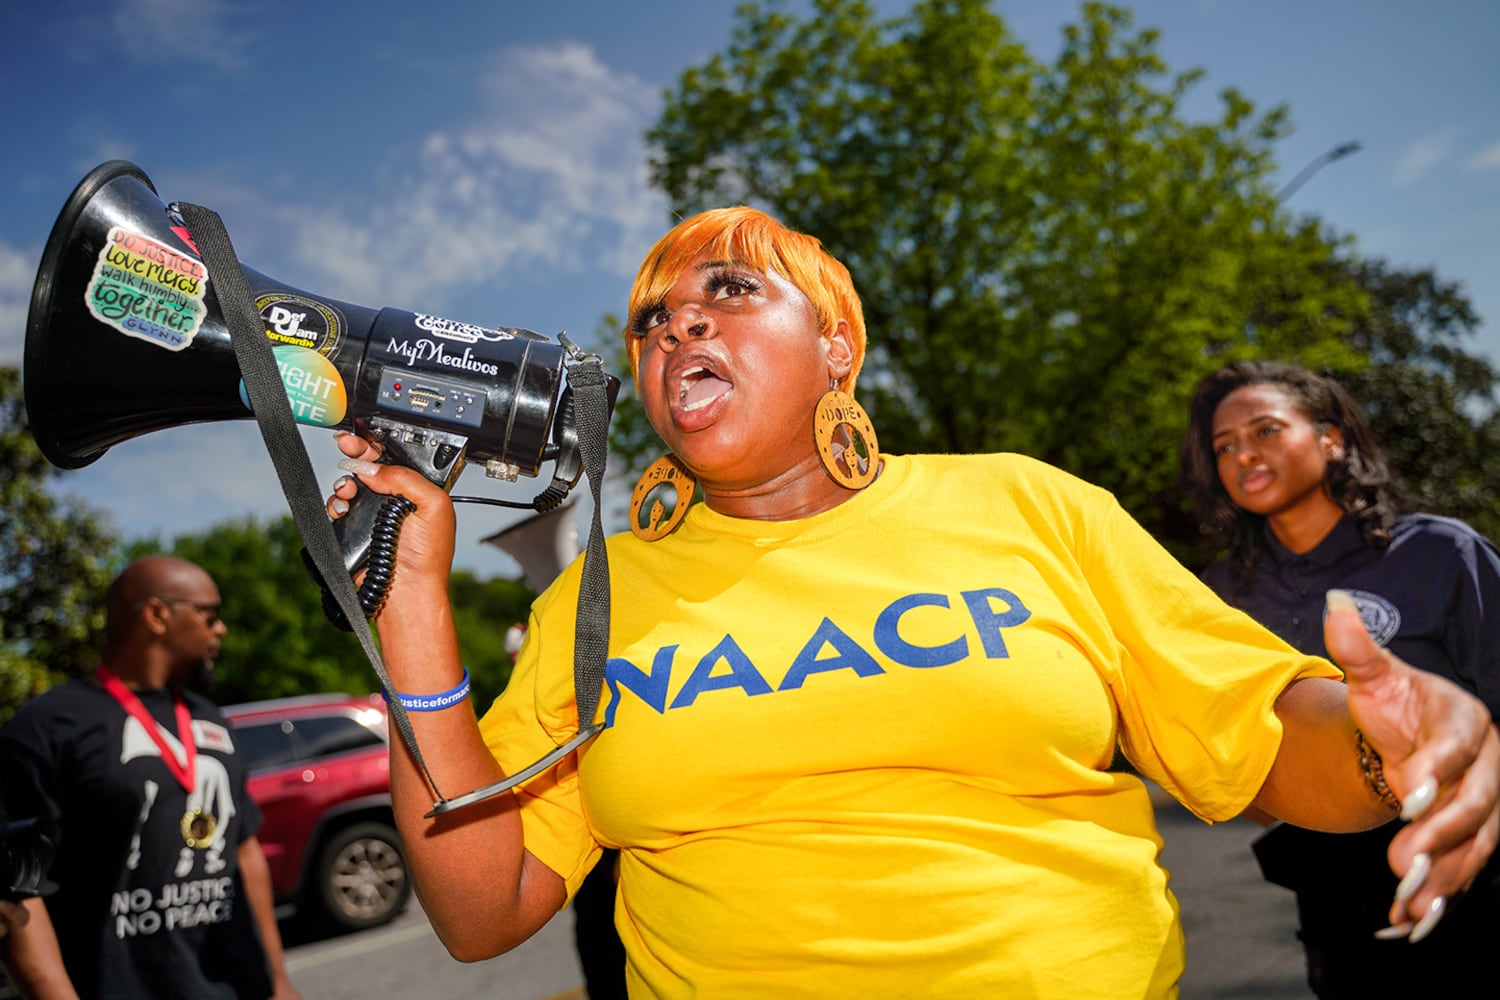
(859, 709)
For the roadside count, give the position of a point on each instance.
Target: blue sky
(482, 161)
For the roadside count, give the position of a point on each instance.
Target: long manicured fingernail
(1414, 877)
(341, 482)
(1394, 931)
(1429, 920)
(340, 507)
(358, 466)
(1340, 599)
(1419, 799)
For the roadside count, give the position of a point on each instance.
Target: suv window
(268, 744)
(327, 735)
(277, 744)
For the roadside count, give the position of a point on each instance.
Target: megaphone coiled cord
(381, 565)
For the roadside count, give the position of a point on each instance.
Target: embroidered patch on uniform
(212, 736)
(1381, 618)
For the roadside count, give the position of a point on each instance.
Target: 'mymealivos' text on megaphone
(126, 336)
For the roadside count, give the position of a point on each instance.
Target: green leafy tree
(56, 559)
(1050, 256)
(633, 443)
(1432, 404)
(278, 643)
(483, 609)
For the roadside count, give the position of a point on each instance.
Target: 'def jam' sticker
(313, 386)
(148, 290)
(301, 322)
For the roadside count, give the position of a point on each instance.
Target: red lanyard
(185, 773)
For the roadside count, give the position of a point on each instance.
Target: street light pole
(1336, 153)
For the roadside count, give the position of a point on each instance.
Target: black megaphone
(126, 336)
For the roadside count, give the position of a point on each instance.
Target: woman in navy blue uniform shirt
(1286, 474)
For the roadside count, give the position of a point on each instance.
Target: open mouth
(698, 386)
(1253, 482)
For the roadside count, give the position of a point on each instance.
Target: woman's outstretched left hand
(1441, 759)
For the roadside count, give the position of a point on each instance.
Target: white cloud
(193, 31)
(182, 479)
(185, 480)
(17, 275)
(1421, 157)
(107, 148)
(1486, 159)
(552, 175)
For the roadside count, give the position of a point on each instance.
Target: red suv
(320, 772)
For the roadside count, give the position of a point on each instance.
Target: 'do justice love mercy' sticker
(148, 290)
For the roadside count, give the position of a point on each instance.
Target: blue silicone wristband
(432, 702)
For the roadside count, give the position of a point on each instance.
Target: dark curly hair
(1361, 482)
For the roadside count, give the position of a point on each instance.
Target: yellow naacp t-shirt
(866, 753)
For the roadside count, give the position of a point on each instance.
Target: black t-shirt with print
(138, 912)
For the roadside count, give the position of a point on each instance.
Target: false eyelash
(637, 324)
(721, 276)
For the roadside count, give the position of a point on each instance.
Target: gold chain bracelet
(1374, 768)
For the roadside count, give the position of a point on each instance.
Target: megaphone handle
(355, 528)
(367, 533)
(367, 536)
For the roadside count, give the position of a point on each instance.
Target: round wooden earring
(665, 481)
(846, 440)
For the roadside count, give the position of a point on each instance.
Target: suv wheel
(362, 880)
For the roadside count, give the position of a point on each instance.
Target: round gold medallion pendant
(198, 828)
